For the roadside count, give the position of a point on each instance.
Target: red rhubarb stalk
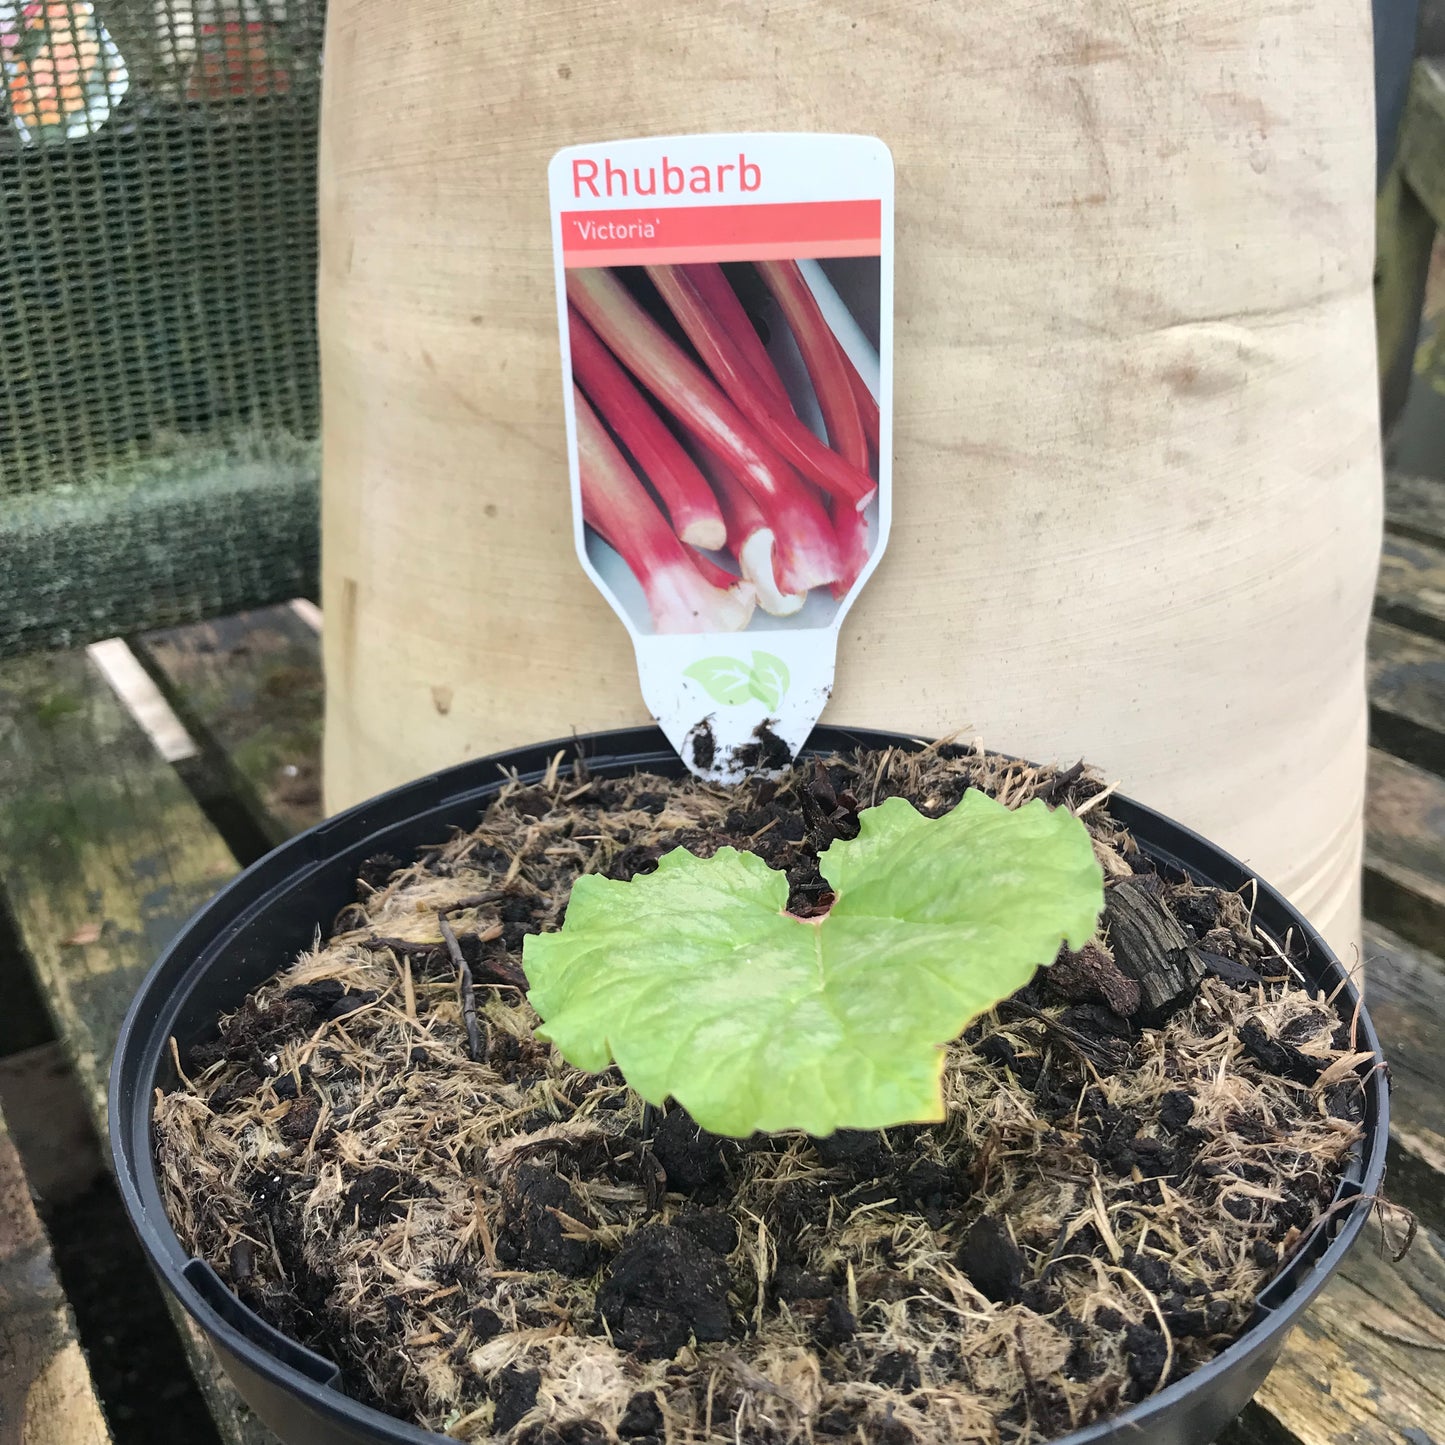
(778, 603)
(851, 526)
(752, 541)
(867, 406)
(714, 288)
(794, 442)
(853, 440)
(837, 385)
(712, 282)
(756, 552)
(852, 531)
(824, 357)
(702, 408)
(616, 504)
(715, 573)
(659, 455)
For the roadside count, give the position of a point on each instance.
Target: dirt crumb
(537, 1209)
(664, 1286)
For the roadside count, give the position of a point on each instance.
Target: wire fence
(157, 231)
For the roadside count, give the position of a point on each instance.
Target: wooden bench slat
(1407, 695)
(1404, 238)
(46, 1393)
(1405, 850)
(249, 691)
(103, 856)
(49, 1120)
(1364, 1366)
(1356, 1368)
(1406, 993)
(1415, 508)
(1411, 587)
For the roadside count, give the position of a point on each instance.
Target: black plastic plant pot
(270, 914)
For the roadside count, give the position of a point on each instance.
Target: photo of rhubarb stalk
(727, 439)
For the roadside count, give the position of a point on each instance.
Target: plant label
(726, 314)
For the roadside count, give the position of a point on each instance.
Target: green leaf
(726, 680)
(769, 680)
(701, 987)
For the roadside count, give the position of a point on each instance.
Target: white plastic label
(726, 313)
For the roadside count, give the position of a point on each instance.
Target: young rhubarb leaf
(702, 987)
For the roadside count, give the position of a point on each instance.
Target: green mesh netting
(157, 288)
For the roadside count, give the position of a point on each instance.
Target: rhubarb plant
(701, 986)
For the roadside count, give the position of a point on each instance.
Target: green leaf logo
(725, 679)
(730, 681)
(769, 680)
(703, 988)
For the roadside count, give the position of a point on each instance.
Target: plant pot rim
(232, 943)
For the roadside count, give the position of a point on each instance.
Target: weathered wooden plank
(1422, 137)
(249, 690)
(1407, 1003)
(1415, 509)
(1405, 850)
(134, 686)
(1411, 587)
(1364, 1365)
(1407, 695)
(46, 1393)
(103, 855)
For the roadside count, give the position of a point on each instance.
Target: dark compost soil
(507, 1246)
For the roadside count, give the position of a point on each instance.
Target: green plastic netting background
(158, 372)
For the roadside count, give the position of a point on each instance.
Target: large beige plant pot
(1137, 475)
